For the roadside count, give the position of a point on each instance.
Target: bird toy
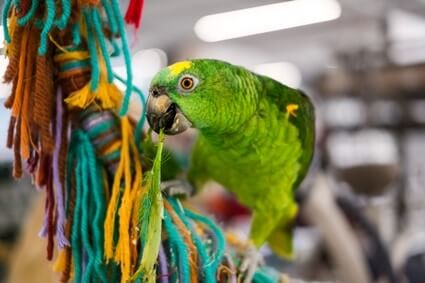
(106, 218)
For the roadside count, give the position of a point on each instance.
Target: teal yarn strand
(262, 277)
(209, 274)
(115, 273)
(30, 14)
(75, 237)
(100, 128)
(221, 243)
(83, 190)
(91, 42)
(127, 56)
(51, 11)
(76, 36)
(62, 22)
(116, 49)
(69, 174)
(110, 15)
(173, 262)
(97, 24)
(90, 201)
(4, 15)
(74, 65)
(142, 120)
(137, 90)
(97, 195)
(177, 243)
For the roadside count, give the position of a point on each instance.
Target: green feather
(152, 212)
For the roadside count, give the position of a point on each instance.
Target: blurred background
(362, 62)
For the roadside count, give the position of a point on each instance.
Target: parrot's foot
(251, 260)
(177, 188)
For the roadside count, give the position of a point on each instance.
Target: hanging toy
(105, 215)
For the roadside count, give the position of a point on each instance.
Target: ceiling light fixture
(266, 18)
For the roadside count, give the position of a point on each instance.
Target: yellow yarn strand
(122, 254)
(136, 193)
(112, 207)
(136, 197)
(71, 55)
(58, 46)
(115, 146)
(12, 26)
(107, 95)
(60, 263)
(126, 249)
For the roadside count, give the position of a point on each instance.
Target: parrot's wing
(305, 123)
(302, 116)
(276, 226)
(198, 174)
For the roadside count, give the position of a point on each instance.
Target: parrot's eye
(187, 83)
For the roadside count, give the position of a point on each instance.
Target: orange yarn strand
(17, 103)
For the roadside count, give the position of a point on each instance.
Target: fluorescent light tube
(266, 18)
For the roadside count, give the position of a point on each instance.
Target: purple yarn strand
(163, 266)
(60, 232)
(43, 230)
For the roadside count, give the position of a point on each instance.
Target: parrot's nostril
(155, 93)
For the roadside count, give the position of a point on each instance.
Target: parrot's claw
(177, 188)
(251, 260)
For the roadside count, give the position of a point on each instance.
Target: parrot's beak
(162, 113)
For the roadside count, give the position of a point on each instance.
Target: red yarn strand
(133, 16)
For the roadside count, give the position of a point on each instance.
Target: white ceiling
(169, 25)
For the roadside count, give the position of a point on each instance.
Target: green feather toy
(151, 215)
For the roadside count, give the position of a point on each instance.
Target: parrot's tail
(280, 241)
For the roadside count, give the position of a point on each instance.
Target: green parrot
(256, 138)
